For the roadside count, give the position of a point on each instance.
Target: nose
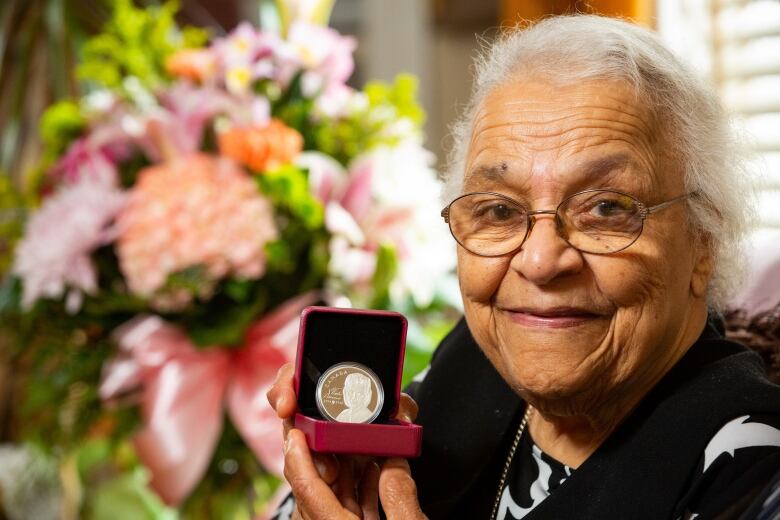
(545, 256)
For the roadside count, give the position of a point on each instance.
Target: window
(737, 42)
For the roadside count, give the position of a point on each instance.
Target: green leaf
(222, 324)
(346, 138)
(192, 279)
(136, 42)
(128, 497)
(288, 188)
(280, 256)
(238, 290)
(60, 124)
(10, 295)
(386, 268)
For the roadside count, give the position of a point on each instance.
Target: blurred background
(62, 458)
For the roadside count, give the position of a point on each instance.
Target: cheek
(645, 280)
(480, 277)
(650, 295)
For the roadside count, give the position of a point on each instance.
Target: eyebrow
(593, 168)
(491, 172)
(604, 165)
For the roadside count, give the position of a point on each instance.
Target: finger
(368, 492)
(398, 492)
(345, 486)
(296, 514)
(407, 409)
(282, 393)
(287, 425)
(313, 496)
(327, 466)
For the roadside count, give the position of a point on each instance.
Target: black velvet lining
(336, 337)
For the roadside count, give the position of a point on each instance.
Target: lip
(552, 317)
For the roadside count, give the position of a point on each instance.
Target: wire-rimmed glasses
(592, 221)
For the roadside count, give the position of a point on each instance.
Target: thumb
(398, 491)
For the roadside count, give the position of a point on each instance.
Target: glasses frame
(644, 212)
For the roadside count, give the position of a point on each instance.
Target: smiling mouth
(554, 318)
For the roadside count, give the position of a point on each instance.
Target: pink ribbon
(183, 391)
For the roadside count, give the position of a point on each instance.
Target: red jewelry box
(376, 339)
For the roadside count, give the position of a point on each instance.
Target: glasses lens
(487, 224)
(601, 221)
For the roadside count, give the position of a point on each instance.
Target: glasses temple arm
(669, 202)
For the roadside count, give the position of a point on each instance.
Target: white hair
(695, 127)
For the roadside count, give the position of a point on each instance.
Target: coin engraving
(349, 392)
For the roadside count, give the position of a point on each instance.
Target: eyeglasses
(592, 221)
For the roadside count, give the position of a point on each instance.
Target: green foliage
(237, 487)
(288, 189)
(367, 128)
(401, 96)
(421, 341)
(11, 223)
(221, 322)
(386, 268)
(10, 296)
(59, 369)
(135, 43)
(303, 240)
(193, 279)
(127, 497)
(60, 124)
(292, 107)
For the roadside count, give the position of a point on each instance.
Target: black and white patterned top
(729, 471)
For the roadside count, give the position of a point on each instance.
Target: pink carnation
(55, 251)
(197, 211)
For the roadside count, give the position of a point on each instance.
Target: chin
(578, 365)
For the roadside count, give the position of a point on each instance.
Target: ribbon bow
(183, 391)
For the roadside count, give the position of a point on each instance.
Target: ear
(702, 267)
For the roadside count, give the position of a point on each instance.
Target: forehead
(528, 132)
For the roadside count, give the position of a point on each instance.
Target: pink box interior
(375, 339)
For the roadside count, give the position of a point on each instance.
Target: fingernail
(287, 443)
(321, 468)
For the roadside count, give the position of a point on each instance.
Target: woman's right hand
(324, 486)
(328, 487)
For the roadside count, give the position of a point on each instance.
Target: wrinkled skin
(581, 337)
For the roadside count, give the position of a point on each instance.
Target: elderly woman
(598, 205)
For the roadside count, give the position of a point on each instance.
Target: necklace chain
(509, 458)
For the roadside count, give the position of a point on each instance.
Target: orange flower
(261, 148)
(195, 64)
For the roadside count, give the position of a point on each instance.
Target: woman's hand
(345, 487)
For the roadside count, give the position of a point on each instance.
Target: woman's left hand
(398, 491)
(358, 487)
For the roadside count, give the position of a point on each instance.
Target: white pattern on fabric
(285, 511)
(738, 434)
(421, 376)
(540, 489)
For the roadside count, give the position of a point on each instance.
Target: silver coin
(349, 392)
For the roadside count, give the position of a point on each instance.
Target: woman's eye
(496, 212)
(607, 208)
(501, 212)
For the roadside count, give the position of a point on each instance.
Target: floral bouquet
(189, 206)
